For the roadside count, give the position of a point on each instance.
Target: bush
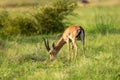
(5, 24)
(26, 24)
(50, 17)
(17, 24)
(45, 19)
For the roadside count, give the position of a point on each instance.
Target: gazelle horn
(46, 44)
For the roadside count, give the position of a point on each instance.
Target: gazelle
(71, 34)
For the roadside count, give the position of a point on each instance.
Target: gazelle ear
(53, 45)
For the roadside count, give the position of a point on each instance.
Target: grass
(22, 3)
(99, 18)
(25, 58)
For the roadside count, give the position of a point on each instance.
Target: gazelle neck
(59, 45)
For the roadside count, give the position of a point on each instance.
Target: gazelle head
(52, 51)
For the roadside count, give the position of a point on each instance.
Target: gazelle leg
(76, 51)
(68, 43)
(75, 47)
(72, 55)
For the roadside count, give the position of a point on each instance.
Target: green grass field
(22, 3)
(25, 58)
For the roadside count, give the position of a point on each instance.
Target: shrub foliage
(45, 19)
